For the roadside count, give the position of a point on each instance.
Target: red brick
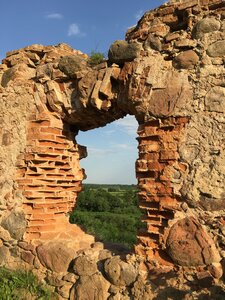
(51, 130)
(38, 123)
(156, 166)
(149, 147)
(169, 203)
(46, 137)
(35, 222)
(168, 155)
(60, 139)
(33, 131)
(154, 229)
(141, 165)
(20, 172)
(151, 156)
(149, 205)
(52, 144)
(150, 130)
(24, 181)
(32, 236)
(48, 235)
(41, 228)
(40, 215)
(183, 120)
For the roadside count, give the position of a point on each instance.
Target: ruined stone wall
(169, 74)
(189, 37)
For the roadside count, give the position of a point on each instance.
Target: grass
(22, 285)
(109, 212)
(96, 58)
(109, 227)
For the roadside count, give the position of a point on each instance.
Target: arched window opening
(108, 205)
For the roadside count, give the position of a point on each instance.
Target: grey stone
(215, 99)
(16, 224)
(69, 65)
(94, 287)
(122, 51)
(119, 272)
(206, 25)
(153, 42)
(217, 49)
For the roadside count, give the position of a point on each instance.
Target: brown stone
(153, 42)
(205, 25)
(4, 255)
(142, 289)
(55, 256)
(216, 270)
(83, 265)
(119, 272)
(7, 139)
(27, 257)
(94, 287)
(189, 245)
(217, 49)
(186, 60)
(205, 279)
(121, 51)
(64, 290)
(215, 99)
(15, 223)
(70, 65)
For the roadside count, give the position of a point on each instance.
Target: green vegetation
(22, 285)
(109, 212)
(96, 58)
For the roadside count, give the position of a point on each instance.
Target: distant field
(110, 212)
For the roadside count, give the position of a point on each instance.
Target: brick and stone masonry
(159, 174)
(169, 74)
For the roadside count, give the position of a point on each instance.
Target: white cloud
(124, 146)
(99, 152)
(137, 17)
(74, 30)
(109, 133)
(139, 14)
(128, 124)
(55, 16)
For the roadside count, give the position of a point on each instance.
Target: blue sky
(86, 26)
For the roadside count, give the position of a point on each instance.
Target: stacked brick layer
(159, 174)
(50, 177)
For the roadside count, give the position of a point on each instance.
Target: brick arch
(50, 176)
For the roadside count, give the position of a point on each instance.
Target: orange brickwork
(49, 176)
(159, 174)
